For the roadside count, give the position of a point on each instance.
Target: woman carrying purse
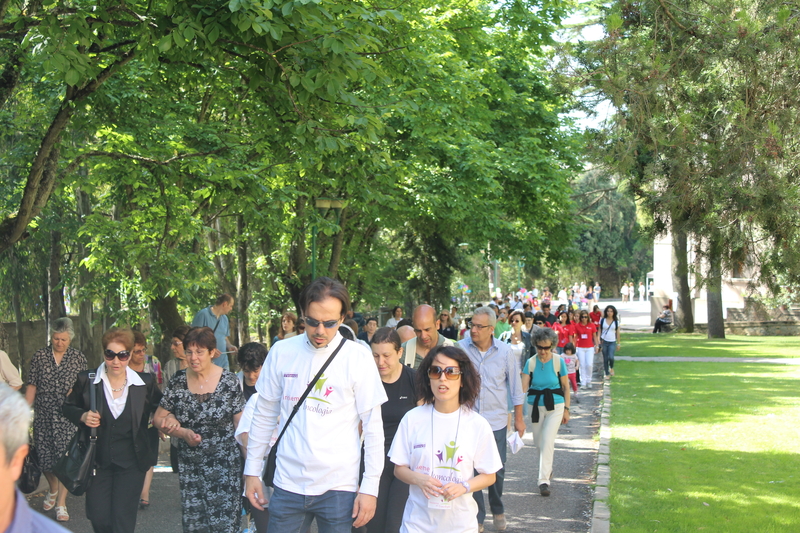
(126, 450)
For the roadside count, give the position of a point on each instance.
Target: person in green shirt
(502, 322)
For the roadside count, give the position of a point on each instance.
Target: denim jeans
(609, 349)
(495, 490)
(293, 513)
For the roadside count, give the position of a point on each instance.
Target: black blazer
(143, 402)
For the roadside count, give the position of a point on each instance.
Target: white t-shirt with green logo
(321, 449)
(454, 445)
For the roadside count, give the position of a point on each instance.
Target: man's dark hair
(352, 324)
(223, 299)
(529, 314)
(470, 379)
(251, 356)
(546, 305)
(322, 288)
(371, 319)
(404, 322)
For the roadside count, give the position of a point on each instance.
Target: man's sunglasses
(314, 323)
(452, 372)
(124, 355)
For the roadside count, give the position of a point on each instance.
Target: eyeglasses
(544, 348)
(539, 323)
(452, 372)
(122, 356)
(314, 323)
(177, 343)
(473, 325)
(516, 321)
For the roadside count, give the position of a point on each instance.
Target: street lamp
(323, 205)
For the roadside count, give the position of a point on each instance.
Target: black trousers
(658, 325)
(392, 496)
(112, 500)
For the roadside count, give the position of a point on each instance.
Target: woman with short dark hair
(397, 316)
(202, 406)
(442, 443)
(126, 444)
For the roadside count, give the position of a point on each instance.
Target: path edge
(601, 514)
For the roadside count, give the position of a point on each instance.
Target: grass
(705, 447)
(690, 345)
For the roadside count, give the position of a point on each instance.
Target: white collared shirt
(117, 405)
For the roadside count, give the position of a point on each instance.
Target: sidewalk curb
(601, 514)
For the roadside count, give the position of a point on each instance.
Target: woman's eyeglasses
(452, 372)
(124, 355)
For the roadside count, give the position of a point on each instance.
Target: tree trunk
(84, 331)
(55, 292)
(164, 310)
(336, 248)
(21, 359)
(684, 317)
(242, 293)
(716, 323)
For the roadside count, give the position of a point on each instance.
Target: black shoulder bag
(76, 467)
(272, 458)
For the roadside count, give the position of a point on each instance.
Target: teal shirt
(545, 378)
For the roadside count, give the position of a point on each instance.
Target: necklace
(203, 383)
(121, 388)
(433, 443)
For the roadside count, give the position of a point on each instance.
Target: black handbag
(76, 467)
(272, 458)
(31, 472)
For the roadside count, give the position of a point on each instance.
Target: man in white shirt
(318, 458)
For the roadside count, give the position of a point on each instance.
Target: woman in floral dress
(53, 372)
(201, 407)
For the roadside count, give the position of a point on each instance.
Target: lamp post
(323, 205)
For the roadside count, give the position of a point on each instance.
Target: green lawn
(685, 345)
(705, 447)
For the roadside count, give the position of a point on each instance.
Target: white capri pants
(544, 437)
(586, 359)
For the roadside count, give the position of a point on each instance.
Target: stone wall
(765, 328)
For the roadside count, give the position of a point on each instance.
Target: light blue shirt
(27, 521)
(221, 328)
(500, 376)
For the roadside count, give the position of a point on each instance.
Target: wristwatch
(465, 484)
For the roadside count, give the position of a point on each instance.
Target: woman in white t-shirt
(397, 316)
(440, 444)
(609, 338)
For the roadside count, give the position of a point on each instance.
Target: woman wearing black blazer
(127, 444)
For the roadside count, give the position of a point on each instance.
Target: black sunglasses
(124, 355)
(544, 348)
(314, 323)
(451, 372)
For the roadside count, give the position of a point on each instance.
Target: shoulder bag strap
(93, 399)
(308, 389)
(218, 319)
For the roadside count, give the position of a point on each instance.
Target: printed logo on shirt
(321, 390)
(448, 459)
(419, 446)
(404, 397)
(290, 375)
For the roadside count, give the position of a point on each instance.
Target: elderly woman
(53, 372)
(545, 377)
(443, 449)
(202, 406)
(126, 450)
(179, 362)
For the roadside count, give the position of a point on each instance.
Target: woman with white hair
(54, 370)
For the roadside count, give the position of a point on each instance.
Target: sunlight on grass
(705, 447)
(683, 345)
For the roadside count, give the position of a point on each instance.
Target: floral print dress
(51, 431)
(210, 473)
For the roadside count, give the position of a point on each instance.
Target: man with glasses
(317, 467)
(500, 377)
(426, 336)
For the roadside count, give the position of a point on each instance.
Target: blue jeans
(609, 349)
(293, 513)
(495, 490)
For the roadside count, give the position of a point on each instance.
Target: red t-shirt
(585, 335)
(564, 331)
(595, 317)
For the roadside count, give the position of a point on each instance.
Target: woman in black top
(398, 381)
(447, 328)
(127, 443)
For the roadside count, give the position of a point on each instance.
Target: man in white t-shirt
(318, 457)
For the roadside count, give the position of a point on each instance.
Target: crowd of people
(404, 427)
